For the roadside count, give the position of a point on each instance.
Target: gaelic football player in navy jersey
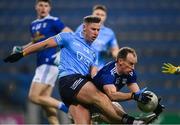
(46, 72)
(117, 74)
(78, 59)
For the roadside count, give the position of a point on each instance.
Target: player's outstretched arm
(31, 49)
(168, 68)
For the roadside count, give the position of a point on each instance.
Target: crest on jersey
(113, 71)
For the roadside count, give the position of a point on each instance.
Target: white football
(151, 106)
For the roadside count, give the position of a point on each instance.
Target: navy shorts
(69, 87)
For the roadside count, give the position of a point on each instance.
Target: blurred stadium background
(152, 27)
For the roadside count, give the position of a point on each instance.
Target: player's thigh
(44, 80)
(89, 93)
(46, 74)
(38, 89)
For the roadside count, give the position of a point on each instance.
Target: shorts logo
(76, 83)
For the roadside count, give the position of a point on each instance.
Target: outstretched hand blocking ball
(151, 105)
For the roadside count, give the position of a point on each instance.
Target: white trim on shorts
(46, 74)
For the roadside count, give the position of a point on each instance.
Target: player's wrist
(133, 95)
(177, 70)
(24, 54)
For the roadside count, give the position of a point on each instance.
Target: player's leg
(77, 111)
(98, 116)
(91, 95)
(41, 89)
(44, 78)
(51, 112)
(40, 94)
(36, 97)
(76, 89)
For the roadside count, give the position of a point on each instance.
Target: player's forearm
(120, 96)
(27, 45)
(40, 46)
(36, 47)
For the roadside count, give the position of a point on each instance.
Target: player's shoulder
(107, 29)
(49, 18)
(109, 67)
(67, 35)
(52, 18)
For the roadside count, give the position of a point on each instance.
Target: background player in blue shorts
(106, 41)
(117, 74)
(77, 60)
(46, 72)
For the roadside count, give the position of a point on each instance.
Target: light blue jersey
(77, 56)
(105, 40)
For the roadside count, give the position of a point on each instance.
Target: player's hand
(142, 97)
(169, 68)
(14, 57)
(17, 49)
(159, 109)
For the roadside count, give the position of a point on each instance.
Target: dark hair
(123, 52)
(101, 7)
(91, 19)
(47, 1)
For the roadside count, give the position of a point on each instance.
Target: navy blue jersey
(42, 29)
(108, 75)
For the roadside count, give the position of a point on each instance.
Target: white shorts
(46, 74)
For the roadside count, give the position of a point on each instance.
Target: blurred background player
(117, 74)
(168, 68)
(106, 40)
(46, 73)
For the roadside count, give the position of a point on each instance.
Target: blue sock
(63, 107)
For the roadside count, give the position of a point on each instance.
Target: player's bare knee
(33, 98)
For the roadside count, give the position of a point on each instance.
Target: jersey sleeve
(58, 25)
(104, 78)
(62, 39)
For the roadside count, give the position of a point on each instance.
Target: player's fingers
(165, 68)
(165, 71)
(170, 65)
(166, 65)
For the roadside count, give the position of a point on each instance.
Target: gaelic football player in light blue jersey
(106, 41)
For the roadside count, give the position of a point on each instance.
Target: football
(151, 106)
